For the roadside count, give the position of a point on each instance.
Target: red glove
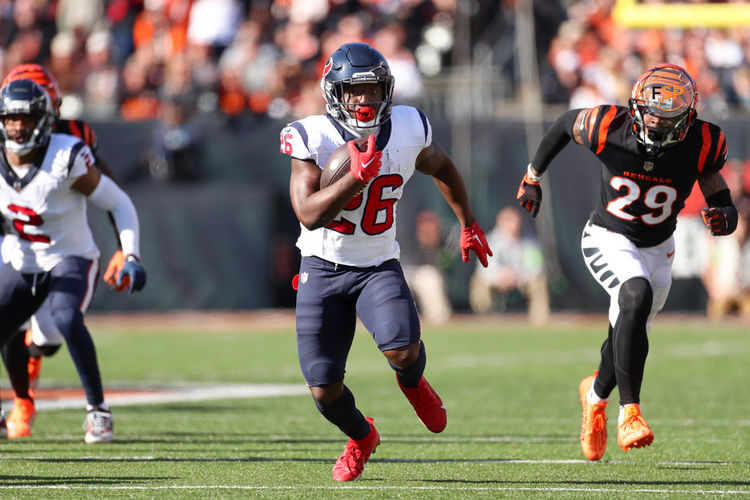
(720, 220)
(113, 271)
(529, 195)
(364, 164)
(472, 238)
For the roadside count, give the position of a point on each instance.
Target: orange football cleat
(633, 431)
(351, 463)
(593, 422)
(427, 404)
(21, 418)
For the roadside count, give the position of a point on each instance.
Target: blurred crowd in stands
(128, 58)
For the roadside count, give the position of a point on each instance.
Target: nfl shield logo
(303, 277)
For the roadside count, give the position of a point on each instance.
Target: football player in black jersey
(23, 352)
(651, 153)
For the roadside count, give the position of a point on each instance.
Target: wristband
(530, 175)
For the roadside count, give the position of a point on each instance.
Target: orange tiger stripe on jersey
(706, 133)
(721, 147)
(590, 120)
(74, 130)
(604, 127)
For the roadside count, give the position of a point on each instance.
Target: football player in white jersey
(40, 336)
(348, 241)
(46, 180)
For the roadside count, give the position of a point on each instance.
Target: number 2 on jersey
(32, 219)
(660, 198)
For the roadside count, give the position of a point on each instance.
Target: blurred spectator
(214, 23)
(516, 266)
(389, 41)
(727, 276)
(176, 152)
(425, 269)
(101, 79)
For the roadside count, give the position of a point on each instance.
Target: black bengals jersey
(78, 128)
(640, 197)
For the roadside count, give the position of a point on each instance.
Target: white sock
(594, 397)
(103, 406)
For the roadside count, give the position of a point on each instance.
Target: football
(338, 163)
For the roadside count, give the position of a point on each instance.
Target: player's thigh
(611, 258)
(386, 307)
(326, 321)
(20, 296)
(44, 331)
(72, 284)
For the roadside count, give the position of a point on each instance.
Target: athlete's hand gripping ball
(530, 195)
(472, 238)
(364, 164)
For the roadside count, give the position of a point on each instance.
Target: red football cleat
(351, 463)
(427, 404)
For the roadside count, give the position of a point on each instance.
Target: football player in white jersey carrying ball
(47, 179)
(347, 239)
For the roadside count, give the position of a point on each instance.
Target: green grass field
(513, 417)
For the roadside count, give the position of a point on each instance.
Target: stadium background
(199, 155)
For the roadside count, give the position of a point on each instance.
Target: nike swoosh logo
(669, 254)
(477, 238)
(442, 407)
(365, 165)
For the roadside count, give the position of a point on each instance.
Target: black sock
(344, 414)
(412, 374)
(605, 381)
(630, 339)
(16, 357)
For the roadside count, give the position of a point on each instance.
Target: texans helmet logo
(328, 66)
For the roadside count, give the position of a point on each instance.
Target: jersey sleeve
(80, 161)
(427, 126)
(294, 142)
(596, 125)
(713, 151)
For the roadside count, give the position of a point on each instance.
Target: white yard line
(176, 395)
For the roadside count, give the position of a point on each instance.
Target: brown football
(338, 163)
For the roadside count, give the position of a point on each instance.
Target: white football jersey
(363, 234)
(47, 219)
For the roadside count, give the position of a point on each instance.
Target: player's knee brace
(37, 351)
(410, 375)
(635, 299)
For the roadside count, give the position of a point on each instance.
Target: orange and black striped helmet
(38, 75)
(668, 92)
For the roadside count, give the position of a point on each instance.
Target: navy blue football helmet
(355, 63)
(24, 97)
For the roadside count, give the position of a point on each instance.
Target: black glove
(529, 195)
(720, 220)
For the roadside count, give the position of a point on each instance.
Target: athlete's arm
(104, 193)
(721, 215)
(433, 161)
(317, 207)
(566, 127)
